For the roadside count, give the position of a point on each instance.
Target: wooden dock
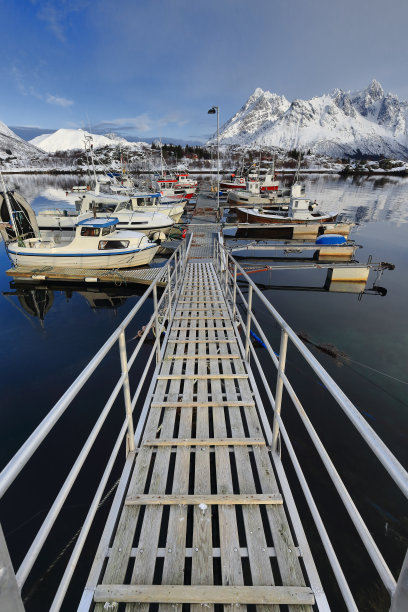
(204, 521)
(139, 276)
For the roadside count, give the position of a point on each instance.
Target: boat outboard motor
(23, 216)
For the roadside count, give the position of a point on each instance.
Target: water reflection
(360, 198)
(37, 300)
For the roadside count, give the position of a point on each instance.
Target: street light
(212, 111)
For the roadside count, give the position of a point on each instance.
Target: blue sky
(154, 67)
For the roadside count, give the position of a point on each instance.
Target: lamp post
(212, 111)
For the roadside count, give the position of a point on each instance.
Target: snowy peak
(261, 106)
(341, 123)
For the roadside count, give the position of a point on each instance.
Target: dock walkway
(204, 521)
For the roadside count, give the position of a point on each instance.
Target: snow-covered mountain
(72, 139)
(13, 145)
(337, 124)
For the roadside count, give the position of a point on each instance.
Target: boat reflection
(37, 300)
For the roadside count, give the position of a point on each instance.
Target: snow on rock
(337, 124)
(13, 145)
(73, 139)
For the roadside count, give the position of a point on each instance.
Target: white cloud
(64, 102)
(56, 13)
(142, 123)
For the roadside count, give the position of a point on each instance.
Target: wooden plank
(200, 376)
(229, 341)
(202, 594)
(201, 301)
(199, 404)
(203, 357)
(217, 329)
(209, 307)
(227, 499)
(202, 558)
(210, 317)
(205, 442)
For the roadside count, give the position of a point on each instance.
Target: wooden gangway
(203, 496)
(203, 515)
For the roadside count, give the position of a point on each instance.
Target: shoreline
(401, 173)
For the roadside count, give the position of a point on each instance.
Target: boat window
(105, 245)
(106, 231)
(90, 231)
(124, 206)
(296, 203)
(140, 201)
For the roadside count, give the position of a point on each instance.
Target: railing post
(399, 601)
(279, 388)
(126, 390)
(169, 288)
(10, 598)
(156, 322)
(176, 269)
(248, 323)
(234, 291)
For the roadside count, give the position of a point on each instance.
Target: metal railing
(228, 269)
(160, 319)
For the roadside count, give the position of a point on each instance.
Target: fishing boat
(235, 182)
(300, 210)
(185, 182)
(96, 242)
(260, 189)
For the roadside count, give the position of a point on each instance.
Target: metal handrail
(224, 261)
(175, 269)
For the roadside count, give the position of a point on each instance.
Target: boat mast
(11, 213)
(89, 143)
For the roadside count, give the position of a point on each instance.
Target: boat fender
(331, 239)
(159, 236)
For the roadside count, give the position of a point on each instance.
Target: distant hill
(342, 123)
(71, 139)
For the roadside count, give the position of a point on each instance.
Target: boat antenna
(296, 177)
(11, 213)
(89, 143)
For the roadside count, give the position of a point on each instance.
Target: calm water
(49, 334)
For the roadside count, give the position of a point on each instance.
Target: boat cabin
(101, 228)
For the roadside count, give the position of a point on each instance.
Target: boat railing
(277, 435)
(162, 312)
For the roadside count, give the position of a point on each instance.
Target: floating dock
(139, 276)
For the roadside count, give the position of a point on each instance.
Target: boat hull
(272, 200)
(126, 259)
(245, 215)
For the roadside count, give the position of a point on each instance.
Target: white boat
(300, 210)
(96, 244)
(153, 223)
(139, 201)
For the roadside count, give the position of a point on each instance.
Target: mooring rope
(64, 549)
